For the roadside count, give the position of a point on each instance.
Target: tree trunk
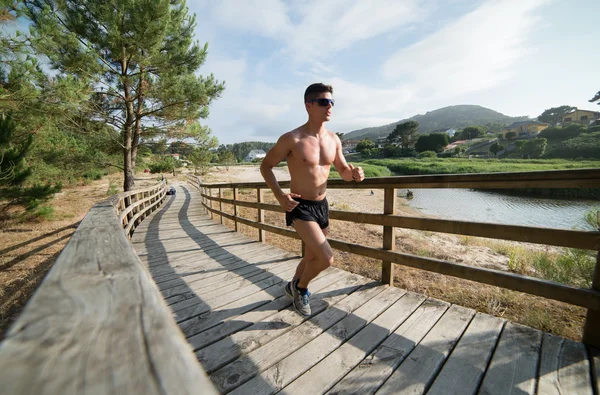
(128, 152)
(128, 170)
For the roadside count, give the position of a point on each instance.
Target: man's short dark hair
(314, 90)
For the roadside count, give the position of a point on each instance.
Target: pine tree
(139, 57)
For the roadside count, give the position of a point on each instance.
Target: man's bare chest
(314, 153)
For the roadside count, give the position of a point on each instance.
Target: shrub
(93, 174)
(427, 154)
(575, 267)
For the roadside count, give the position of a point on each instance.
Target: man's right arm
(278, 153)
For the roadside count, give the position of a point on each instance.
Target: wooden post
(212, 216)
(235, 197)
(221, 204)
(389, 236)
(591, 329)
(260, 215)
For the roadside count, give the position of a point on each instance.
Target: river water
(479, 206)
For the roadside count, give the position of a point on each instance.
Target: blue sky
(389, 60)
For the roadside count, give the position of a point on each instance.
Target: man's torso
(309, 161)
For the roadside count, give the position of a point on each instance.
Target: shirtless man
(310, 150)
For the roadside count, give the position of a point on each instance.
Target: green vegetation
(432, 142)
(116, 95)
(370, 170)
(464, 165)
(405, 134)
(142, 82)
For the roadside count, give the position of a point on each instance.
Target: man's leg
(315, 241)
(307, 259)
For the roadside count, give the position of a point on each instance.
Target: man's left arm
(347, 171)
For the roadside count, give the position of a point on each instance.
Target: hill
(456, 117)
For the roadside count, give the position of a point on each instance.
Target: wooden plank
(231, 250)
(370, 374)
(464, 370)
(564, 367)
(97, 324)
(237, 316)
(336, 365)
(229, 278)
(280, 359)
(416, 373)
(389, 236)
(225, 270)
(192, 307)
(206, 292)
(210, 260)
(222, 352)
(513, 369)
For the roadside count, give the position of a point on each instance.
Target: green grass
(371, 170)
(411, 166)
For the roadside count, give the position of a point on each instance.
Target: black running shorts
(309, 210)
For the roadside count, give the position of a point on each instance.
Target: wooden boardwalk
(226, 294)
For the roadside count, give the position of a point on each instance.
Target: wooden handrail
(133, 206)
(583, 178)
(581, 239)
(98, 322)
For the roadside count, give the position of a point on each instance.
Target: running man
(309, 150)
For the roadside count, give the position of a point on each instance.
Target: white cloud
(330, 26)
(474, 53)
(265, 17)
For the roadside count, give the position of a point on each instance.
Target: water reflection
(470, 205)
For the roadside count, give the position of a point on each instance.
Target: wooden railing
(589, 240)
(134, 206)
(98, 323)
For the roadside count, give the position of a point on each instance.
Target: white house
(255, 154)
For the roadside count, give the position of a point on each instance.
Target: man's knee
(326, 261)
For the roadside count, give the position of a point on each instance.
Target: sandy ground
(361, 200)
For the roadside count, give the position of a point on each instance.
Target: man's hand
(357, 173)
(287, 201)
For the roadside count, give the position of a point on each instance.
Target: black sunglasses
(322, 102)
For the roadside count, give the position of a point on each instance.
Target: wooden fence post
(235, 197)
(212, 216)
(260, 215)
(389, 236)
(221, 204)
(591, 329)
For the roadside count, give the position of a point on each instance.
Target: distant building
(255, 154)
(451, 132)
(175, 156)
(525, 128)
(455, 144)
(350, 145)
(583, 117)
(381, 142)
